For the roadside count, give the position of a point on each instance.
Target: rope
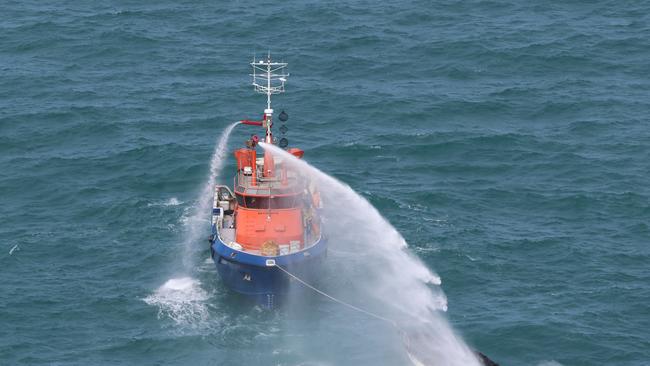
(405, 338)
(389, 321)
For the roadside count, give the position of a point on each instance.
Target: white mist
(378, 274)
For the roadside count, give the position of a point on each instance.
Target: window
(253, 202)
(284, 202)
(263, 202)
(240, 199)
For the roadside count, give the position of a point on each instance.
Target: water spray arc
(394, 285)
(181, 298)
(197, 221)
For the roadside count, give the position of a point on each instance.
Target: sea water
(507, 142)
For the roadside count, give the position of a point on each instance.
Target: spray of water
(197, 221)
(376, 272)
(182, 299)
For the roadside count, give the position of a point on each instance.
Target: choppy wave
(523, 124)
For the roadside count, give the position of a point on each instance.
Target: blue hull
(258, 277)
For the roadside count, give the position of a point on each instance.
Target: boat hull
(259, 278)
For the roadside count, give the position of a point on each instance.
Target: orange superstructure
(272, 202)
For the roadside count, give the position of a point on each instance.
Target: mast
(269, 78)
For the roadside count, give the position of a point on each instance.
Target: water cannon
(251, 123)
(254, 140)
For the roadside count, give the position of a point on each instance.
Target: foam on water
(170, 202)
(381, 273)
(182, 300)
(13, 249)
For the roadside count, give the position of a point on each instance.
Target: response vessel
(270, 217)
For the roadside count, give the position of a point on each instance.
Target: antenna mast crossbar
(269, 77)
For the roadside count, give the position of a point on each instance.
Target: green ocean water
(508, 142)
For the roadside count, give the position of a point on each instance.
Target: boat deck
(227, 234)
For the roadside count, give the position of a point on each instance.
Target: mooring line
(391, 322)
(405, 338)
